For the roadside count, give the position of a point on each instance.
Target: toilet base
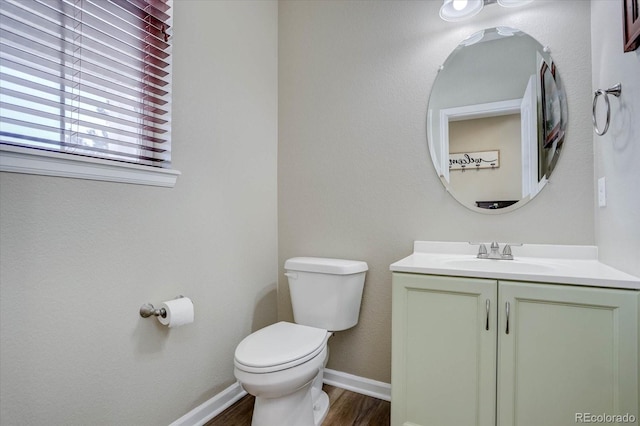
(304, 407)
(289, 410)
(320, 408)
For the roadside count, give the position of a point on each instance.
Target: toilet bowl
(282, 365)
(278, 365)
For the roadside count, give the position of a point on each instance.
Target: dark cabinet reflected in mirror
(496, 120)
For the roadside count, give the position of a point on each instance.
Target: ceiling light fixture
(459, 10)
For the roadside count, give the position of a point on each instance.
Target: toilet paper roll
(179, 312)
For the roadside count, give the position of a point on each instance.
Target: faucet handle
(482, 249)
(507, 246)
(506, 251)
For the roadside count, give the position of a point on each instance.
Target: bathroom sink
(577, 265)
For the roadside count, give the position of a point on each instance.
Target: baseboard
(220, 402)
(373, 388)
(211, 408)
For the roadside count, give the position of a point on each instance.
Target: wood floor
(347, 409)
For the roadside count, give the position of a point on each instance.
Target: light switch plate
(602, 192)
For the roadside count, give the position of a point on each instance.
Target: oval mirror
(496, 120)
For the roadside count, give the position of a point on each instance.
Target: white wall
(78, 258)
(617, 153)
(354, 177)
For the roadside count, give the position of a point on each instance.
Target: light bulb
(460, 4)
(457, 10)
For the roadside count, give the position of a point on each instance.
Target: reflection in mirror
(496, 120)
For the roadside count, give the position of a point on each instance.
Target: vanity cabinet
(470, 351)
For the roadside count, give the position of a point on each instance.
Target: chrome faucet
(494, 252)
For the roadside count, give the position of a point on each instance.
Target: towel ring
(615, 91)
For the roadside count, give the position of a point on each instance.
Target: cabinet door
(443, 353)
(569, 351)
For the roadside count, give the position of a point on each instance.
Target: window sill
(30, 161)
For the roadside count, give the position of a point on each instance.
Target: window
(85, 83)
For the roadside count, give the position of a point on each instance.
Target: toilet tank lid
(325, 265)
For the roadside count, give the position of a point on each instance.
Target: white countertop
(576, 265)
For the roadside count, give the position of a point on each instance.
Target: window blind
(87, 77)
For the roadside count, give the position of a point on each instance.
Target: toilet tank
(326, 293)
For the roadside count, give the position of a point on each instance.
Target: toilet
(282, 365)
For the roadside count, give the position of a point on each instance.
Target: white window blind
(87, 77)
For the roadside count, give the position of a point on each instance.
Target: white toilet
(282, 364)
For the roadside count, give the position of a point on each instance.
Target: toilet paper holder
(148, 310)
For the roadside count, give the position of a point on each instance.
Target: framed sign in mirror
(631, 24)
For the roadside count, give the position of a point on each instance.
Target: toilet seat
(279, 346)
